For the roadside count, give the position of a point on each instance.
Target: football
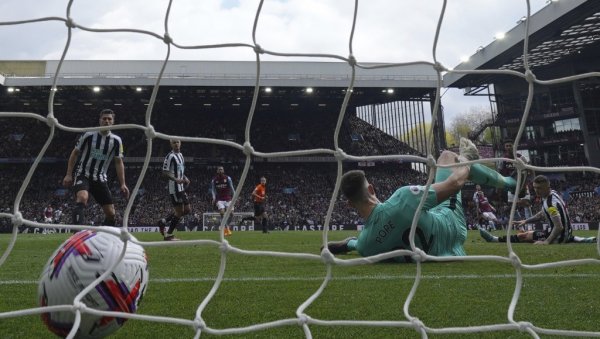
(79, 261)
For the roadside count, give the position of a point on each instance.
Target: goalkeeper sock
(265, 226)
(174, 222)
(79, 214)
(483, 175)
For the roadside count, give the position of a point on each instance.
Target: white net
(302, 318)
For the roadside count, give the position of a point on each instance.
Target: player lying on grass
(559, 230)
(441, 228)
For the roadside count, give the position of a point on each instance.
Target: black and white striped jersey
(174, 164)
(96, 151)
(554, 206)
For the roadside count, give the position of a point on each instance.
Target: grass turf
(259, 289)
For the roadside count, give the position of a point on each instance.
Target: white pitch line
(368, 277)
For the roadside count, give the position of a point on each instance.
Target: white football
(76, 264)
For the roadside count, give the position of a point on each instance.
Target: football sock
(109, 222)
(174, 222)
(483, 175)
(169, 218)
(79, 214)
(265, 226)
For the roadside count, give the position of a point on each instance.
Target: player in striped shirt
(554, 211)
(93, 154)
(173, 168)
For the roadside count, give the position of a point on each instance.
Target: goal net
(303, 319)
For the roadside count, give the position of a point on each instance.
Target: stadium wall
(584, 226)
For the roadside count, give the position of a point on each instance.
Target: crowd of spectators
(270, 131)
(297, 193)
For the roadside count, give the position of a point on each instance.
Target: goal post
(212, 220)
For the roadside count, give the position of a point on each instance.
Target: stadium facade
(563, 127)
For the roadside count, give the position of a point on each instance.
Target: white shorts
(221, 205)
(489, 216)
(47, 220)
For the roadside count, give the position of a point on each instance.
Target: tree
(416, 138)
(473, 121)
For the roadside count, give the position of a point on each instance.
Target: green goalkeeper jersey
(441, 228)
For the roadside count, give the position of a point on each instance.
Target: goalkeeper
(441, 227)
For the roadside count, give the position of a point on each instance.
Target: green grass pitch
(259, 289)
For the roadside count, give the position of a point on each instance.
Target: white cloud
(386, 31)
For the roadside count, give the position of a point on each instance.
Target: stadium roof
(212, 82)
(561, 31)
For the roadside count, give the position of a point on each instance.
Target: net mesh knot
(224, 247)
(439, 67)
(199, 324)
(303, 319)
(525, 326)
(417, 324)
(248, 149)
(352, 60)
(529, 76)
(150, 132)
(70, 23)
(17, 219)
(515, 260)
(327, 256)
(125, 235)
(258, 49)
(167, 39)
(51, 121)
(419, 255)
(339, 155)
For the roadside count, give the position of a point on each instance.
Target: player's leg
(178, 210)
(525, 237)
(481, 174)
(109, 215)
(222, 206)
(265, 222)
(101, 193)
(261, 216)
(181, 207)
(81, 190)
(585, 240)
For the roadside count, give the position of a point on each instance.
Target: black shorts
(540, 235)
(179, 198)
(259, 209)
(98, 189)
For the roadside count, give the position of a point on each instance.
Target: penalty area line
(367, 277)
